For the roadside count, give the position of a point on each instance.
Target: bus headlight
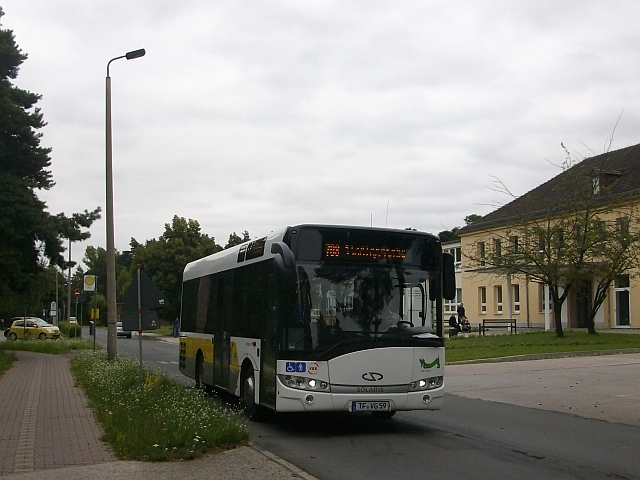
(304, 383)
(426, 384)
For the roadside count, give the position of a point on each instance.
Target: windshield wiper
(351, 338)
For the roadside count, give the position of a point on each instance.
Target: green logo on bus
(425, 365)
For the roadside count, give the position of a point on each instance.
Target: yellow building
(584, 220)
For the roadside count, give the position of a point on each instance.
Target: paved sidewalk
(44, 420)
(48, 431)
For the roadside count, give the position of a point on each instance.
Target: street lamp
(112, 348)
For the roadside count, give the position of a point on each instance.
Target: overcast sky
(255, 115)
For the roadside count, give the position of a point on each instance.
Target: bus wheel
(200, 370)
(383, 415)
(248, 396)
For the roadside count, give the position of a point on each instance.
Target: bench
(487, 323)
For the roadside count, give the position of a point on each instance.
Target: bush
(70, 330)
(154, 417)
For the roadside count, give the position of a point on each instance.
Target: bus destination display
(363, 252)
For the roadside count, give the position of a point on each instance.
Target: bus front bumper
(294, 400)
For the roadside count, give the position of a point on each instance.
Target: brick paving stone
(67, 442)
(44, 419)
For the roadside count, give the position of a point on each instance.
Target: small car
(34, 328)
(120, 332)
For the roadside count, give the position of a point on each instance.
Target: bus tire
(252, 410)
(200, 370)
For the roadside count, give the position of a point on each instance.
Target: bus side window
(189, 302)
(203, 303)
(211, 311)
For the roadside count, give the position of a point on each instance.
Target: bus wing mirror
(285, 266)
(282, 249)
(448, 277)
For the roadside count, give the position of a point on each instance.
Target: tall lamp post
(112, 318)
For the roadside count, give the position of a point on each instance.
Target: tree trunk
(557, 317)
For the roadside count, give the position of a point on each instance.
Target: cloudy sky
(254, 115)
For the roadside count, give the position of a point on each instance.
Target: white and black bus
(320, 318)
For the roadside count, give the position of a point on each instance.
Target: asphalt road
(471, 439)
(518, 425)
(155, 353)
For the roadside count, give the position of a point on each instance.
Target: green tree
(469, 219)
(95, 258)
(235, 239)
(449, 235)
(452, 235)
(27, 229)
(31, 237)
(164, 259)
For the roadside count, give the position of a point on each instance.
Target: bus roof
(228, 259)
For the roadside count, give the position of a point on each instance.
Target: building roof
(618, 178)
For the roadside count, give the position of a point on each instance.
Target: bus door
(222, 331)
(269, 354)
(415, 302)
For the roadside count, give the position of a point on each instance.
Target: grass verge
(156, 418)
(6, 360)
(495, 346)
(62, 345)
(165, 330)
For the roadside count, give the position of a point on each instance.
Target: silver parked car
(120, 332)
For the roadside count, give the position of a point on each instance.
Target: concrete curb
(281, 461)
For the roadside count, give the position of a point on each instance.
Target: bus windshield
(367, 301)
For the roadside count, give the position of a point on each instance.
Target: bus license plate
(370, 406)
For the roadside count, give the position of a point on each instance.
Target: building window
(482, 298)
(513, 240)
(451, 306)
(595, 182)
(497, 247)
(481, 253)
(541, 244)
(559, 238)
(498, 295)
(516, 298)
(623, 231)
(541, 297)
(622, 301)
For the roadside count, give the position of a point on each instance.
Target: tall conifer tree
(28, 232)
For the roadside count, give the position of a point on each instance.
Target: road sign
(90, 283)
(76, 293)
(53, 306)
